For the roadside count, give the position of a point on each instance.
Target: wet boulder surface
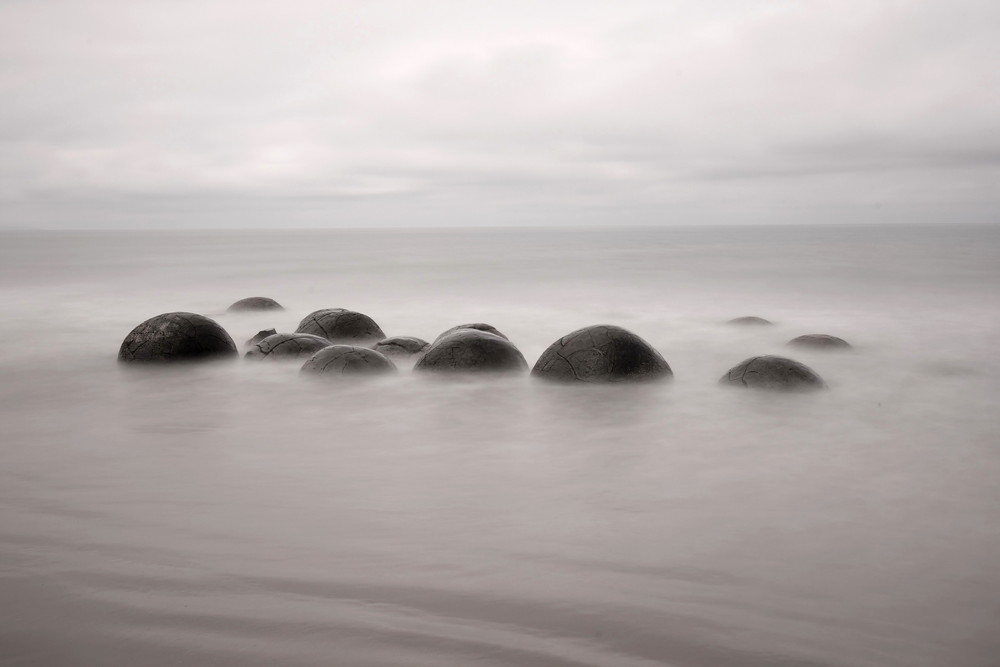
(176, 337)
(254, 303)
(287, 346)
(337, 360)
(472, 351)
(600, 354)
(342, 326)
(820, 342)
(259, 336)
(401, 347)
(475, 326)
(750, 321)
(773, 373)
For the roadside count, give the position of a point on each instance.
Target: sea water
(237, 514)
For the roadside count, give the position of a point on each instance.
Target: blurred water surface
(235, 514)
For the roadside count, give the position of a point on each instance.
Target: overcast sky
(144, 113)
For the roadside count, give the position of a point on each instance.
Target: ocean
(236, 514)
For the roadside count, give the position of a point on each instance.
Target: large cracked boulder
(476, 326)
(750, 320)
(401, 347)
(601, 354)
(254, 303)
(820, 342)
(472, 351)
(341, 326)
(287, 346)
(775, 373)
(337, 360)
(176, 337)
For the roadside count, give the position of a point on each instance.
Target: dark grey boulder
(750, 320)
(472, 351)
(260, 335)
(820, 341)
(401, 347)
(601, 354)
(341, 326)
(287, 346)
(770, 372)
(337, 360)
(176, 337)
(254, 303)
(477, 326)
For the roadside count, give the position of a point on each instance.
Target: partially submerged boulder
(472, 351)
(336, 360)
(287, 346)
(341, 326)
(260, 335)
(176, 337)
(776, 373)
(254, 303)
(601, 353)
(820, 341)
(401, 347)
(476, 326)
(750, 320)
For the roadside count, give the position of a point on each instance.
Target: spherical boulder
(820, 341)
(776, 373)
(750, 320)
(401, 347)
(254, 303)
(477, 326)
(176, 337)
(601, 354)
(341, 326)
(260, 335)
(287, 346)
(336, 360)
(472, 351)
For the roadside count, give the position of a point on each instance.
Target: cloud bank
(316, 114)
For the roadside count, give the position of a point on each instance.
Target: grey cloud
(192, 114)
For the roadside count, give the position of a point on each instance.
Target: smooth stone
(254, 303)
(176, 337)
(288, 346)
(601, 353)
(475, 326)
(260, 335)
(749, 320)
(770, 372)
(822, 341)
(347, 360)
(341, 326)
(472, 351)
(401, 346)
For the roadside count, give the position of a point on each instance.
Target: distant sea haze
(236, 514)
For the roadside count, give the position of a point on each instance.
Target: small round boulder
(254, 303)
(341, 326)
(820, 341)
(176, 337)
(601, 354)
(336, 360)
(472, 351)
(287, 346)
(401, 347)
(776, 373)
(260, 335)
(750, 320)
(476, 326)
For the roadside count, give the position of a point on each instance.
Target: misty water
(237, 514)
